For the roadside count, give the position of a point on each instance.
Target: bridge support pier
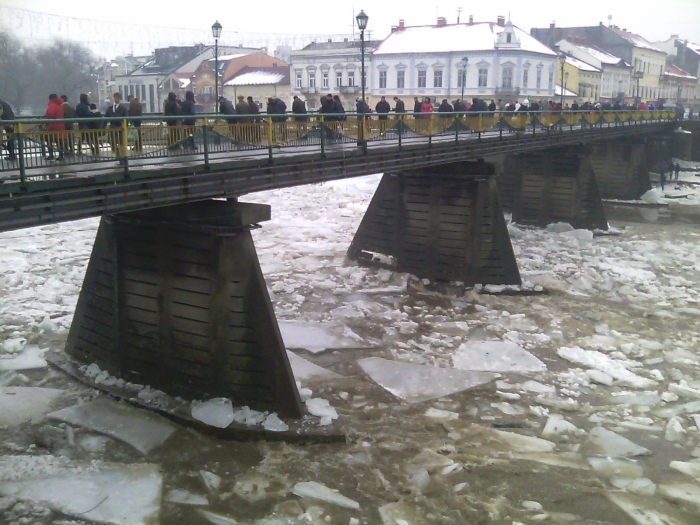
(621, 169)
(175, 298)
(553, 186)
(444, 224)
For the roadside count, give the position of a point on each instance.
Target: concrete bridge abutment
(621, 168)
(175, 298)
(557, 185)
(443, 224)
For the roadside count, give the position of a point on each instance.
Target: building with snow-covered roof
(678, 86)
(647, 60)
(330, 67)
(582, 77)
(615, 80)
(503, 62)
(260, 83)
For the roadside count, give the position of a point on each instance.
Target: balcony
(349, 90)
(508, 91)
(308, 90)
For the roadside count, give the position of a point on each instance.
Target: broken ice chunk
(401, 513)
(496, 356)
(305, 370)
(217, 412)
(691, 469)
(141, 429)
(684, 492)
(616, 467)
(600, 361)
(314, 490)
(415, 383)
(115, 494)
(436, 413)
(254, 487)
(31, 357)
(217, 519)
(522, 443)
(639, 509)
(321, 408)
(600, 377)
(557, 425)
(21, 404)
(211, 480)
(316, 337)
(185, 498)
(674, 430)
(274, 424)
(607, 443)
(643, 486)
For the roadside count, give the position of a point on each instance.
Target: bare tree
(66, 68)
(19, 73)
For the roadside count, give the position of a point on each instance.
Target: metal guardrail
(38, 147)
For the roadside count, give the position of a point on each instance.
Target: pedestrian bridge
(174, 296)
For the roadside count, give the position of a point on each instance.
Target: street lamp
(563, 88)
(637, 75)
(464, 62)
(362, 19)
(216, 32)
(562, 63)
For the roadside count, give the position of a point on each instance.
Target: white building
(504, 62)
(616, 73)
(330, 67)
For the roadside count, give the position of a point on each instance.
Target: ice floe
(496, 356)
(22, 404)
(316, 337)
(607, 443)
(599, 361)
(415, 383)
(305, 370)
(314, 490)
(142, 430)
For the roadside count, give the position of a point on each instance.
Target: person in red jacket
(426, 108)
(642, 106)
(56, 132)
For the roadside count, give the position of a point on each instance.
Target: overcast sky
(653, 20)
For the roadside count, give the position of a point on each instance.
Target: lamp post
(563, 88)
(362, 19)
(637, 75)
(464, 62)
(562, 63)
(216, 31)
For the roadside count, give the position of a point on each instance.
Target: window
(507, 81)
(338, 78)
(509, 38)
(351, 78)
(298, 80)
(437, 78)
(382, 80)
(324, 79)
(312, 80)
(483, 77)
(152, 97)
(526, 74)
(462, 78)
(422, 76)
(550, 81)
(143, 92)
(400, 79)
(207, 89)
(539, 79)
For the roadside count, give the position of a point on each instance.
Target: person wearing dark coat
(574, 106)
(117, 109)
(416, 107)
(338, 108)
(226, 108)
(254, 109)
(383, 108)
(279, 109)
(299, 110)
(492, 108)
(172, 109)
(136, 110)
(677, 170)
(82, 110)
(188, 108)
(8, 114)
(445, 107)
(327, 108)
(399, 107)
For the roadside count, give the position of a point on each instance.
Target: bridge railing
(47, 149)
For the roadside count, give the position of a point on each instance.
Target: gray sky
(654, 21)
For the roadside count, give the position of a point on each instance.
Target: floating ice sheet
(636, 508)
(599, 361)
(684, 492)
(317, 337)
(140, 429)
(110, 494)
(305, 370)
(607, 443)
(314, 490)
(21, 404)
(496, 356)
(31, 357)
(416, 383)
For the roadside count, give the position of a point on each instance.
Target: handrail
(38, 146)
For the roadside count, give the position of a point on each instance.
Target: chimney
(625, 30)
(471, 20)
(551, 25)
(600, 23)
(394, 29)
(501, 21)
(441, 21)
(330, 40)
(402, 25)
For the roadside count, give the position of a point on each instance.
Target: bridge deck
(223, 166)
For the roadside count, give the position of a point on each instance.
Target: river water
(589, 421)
